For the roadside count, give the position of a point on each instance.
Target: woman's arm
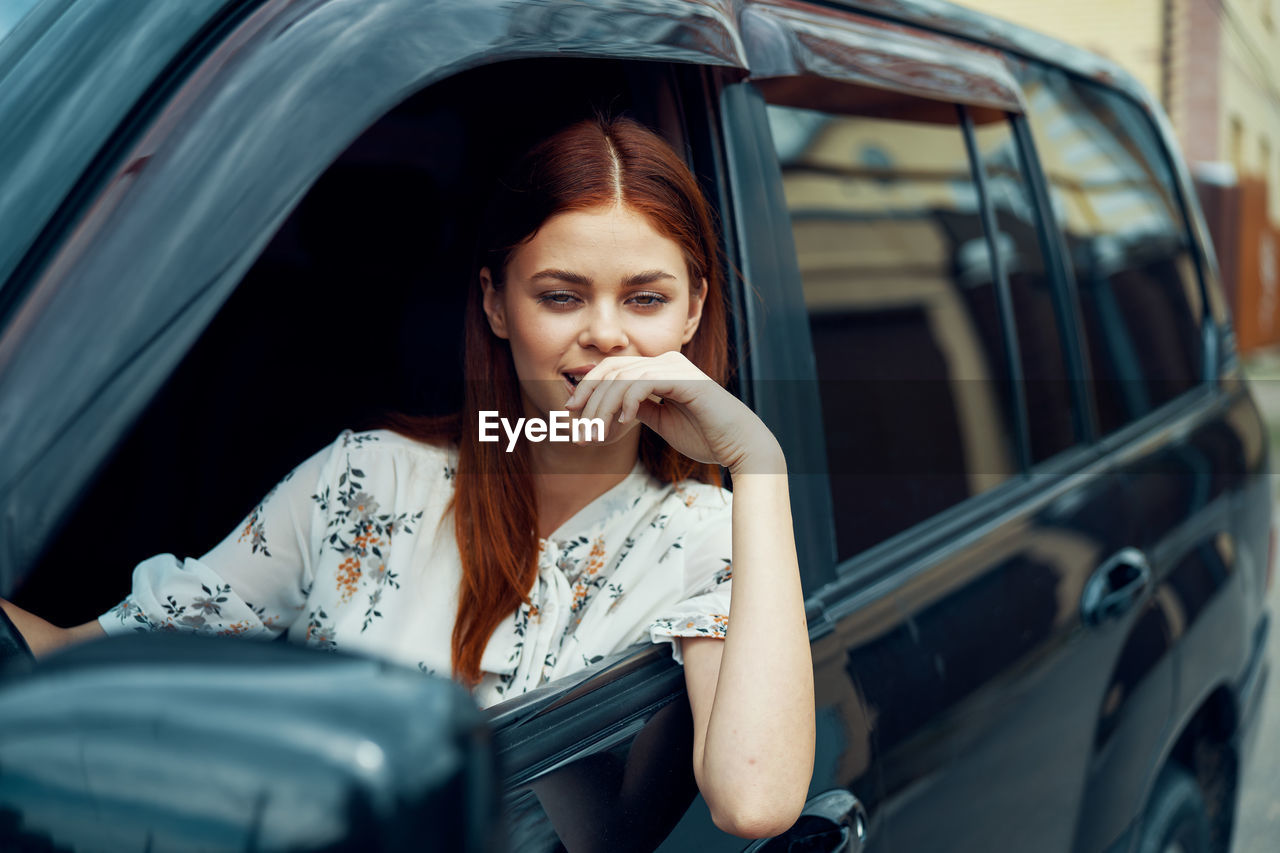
(752, 693)
(43, 637)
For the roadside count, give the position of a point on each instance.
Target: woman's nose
(603, 330)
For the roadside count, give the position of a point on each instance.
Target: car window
(902, 305)
(347, 306)
(1051, 424)
(1135, 275)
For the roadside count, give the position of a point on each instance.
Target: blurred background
(1215, 67)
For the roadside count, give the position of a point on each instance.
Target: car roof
(72, 72)
(947, 18)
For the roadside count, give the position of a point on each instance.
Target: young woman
(514, 561)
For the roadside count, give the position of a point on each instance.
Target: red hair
(595, 162)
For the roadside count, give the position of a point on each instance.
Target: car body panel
(960, 695)
(102, 59)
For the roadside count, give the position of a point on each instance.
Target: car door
(172, 309)
(972, 517)
(1180, 451)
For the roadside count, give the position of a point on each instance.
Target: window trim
(1004, 298)
(889, 564)
(774, 316)
(1065, 299)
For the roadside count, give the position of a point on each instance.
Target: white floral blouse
(352, 550)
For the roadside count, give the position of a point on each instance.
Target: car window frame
(566, 718)
(1004, 298)
(1066, 304)
(852, 579)
(175, 103)
(777, 54)
(870, 566)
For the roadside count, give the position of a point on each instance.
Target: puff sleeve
(253, 583)
(703, 611)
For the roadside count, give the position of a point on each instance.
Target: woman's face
(590, 284)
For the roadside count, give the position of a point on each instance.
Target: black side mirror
(166, 742)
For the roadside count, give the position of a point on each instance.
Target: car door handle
(1115, 587)
(832, 822)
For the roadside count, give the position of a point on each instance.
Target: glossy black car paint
(962, 696)
(240, 746)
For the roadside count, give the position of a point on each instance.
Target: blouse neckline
(615, 499)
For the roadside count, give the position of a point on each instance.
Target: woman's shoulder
(390, 441)
(378, 447)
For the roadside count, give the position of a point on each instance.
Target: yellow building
(1213, 64)
(1249, 123)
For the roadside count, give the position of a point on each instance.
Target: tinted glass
(1135, 276)
(897, 279)
(1044, 366)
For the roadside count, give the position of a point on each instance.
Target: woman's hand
(751, 695)
(697, 417)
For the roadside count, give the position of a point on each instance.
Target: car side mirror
(162, 742)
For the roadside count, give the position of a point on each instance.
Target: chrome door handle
(1115, 587)
(832, 822)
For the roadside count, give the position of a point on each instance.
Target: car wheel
(1176, 819)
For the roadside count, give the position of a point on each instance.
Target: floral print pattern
(361, 534)
(708, 625)
(353, 550)
(320, 630)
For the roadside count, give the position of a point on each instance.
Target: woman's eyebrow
(633, 280)
(646, 277)
(562, 275)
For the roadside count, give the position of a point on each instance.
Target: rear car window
(1135, 275)
(897, 279)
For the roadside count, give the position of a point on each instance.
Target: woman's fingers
(616, 388)
(589, 383)
(631, 400)
(609, 398)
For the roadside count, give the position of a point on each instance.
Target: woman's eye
(645, 300)
(558, 298)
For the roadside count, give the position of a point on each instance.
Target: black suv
(972, 296)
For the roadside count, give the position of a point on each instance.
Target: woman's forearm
(757, 759)
(43, 637)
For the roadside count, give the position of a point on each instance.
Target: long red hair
(595, 162)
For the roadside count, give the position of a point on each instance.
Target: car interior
(351, 313)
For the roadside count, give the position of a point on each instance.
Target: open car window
(348, 308)
(268, 264)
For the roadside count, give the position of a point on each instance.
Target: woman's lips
(573, 377)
